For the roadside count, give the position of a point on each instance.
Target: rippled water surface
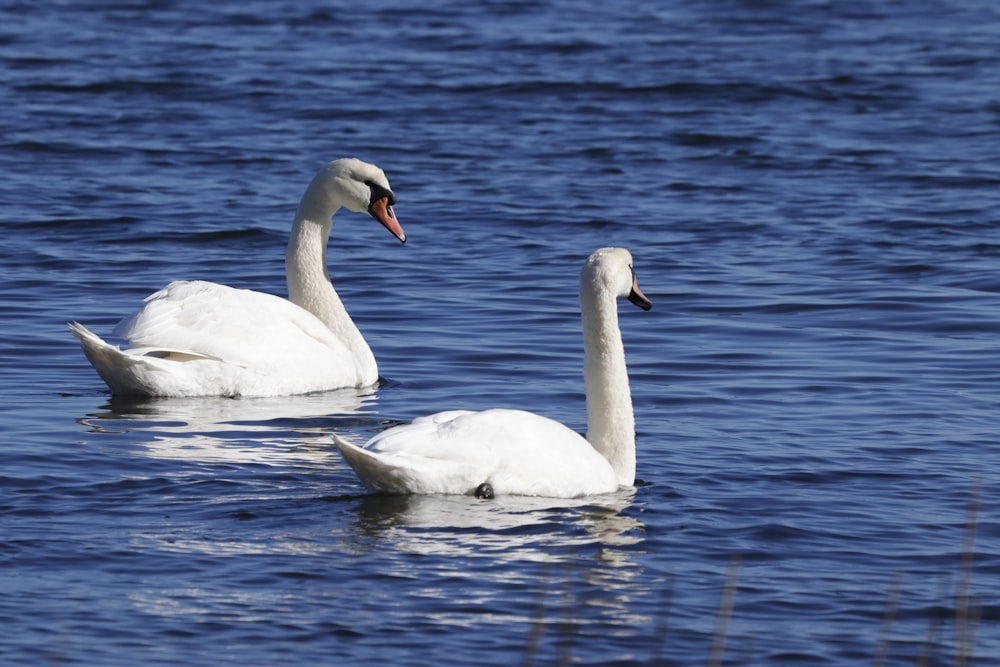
(810, 191)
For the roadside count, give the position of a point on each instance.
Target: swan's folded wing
(442, 436)
(235, 325)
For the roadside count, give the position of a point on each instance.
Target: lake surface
(810, 191)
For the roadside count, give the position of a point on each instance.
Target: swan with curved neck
(514, 452)
(196, 338)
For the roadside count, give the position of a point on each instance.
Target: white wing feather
(234, 325)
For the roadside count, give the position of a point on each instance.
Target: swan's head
(363, 188)
(610, 269)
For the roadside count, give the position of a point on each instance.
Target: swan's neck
(309, 284)
(610, 422)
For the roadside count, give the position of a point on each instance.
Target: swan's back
(516, 452)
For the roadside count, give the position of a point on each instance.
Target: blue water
(810, 191)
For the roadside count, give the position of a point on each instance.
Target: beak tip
(639, 299)
(382, 211)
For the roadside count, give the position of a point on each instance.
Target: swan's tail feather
(98, 351)
(150, 371)
(83, 333)
(377, 476)
(123, 371)
(381, 473)
(110, 362)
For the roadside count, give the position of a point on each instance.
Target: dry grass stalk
(725, 613)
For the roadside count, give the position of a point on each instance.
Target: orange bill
(382, 211)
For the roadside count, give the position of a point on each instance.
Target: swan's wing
(536, 455)
(233, 325)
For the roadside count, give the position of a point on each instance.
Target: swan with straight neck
(515, 452)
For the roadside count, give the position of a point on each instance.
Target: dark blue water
(810, 191)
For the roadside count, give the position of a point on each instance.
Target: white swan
(513, 452)
(196, 338)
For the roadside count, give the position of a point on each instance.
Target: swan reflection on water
(275, 430)
(579, 551)
(525, 527)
